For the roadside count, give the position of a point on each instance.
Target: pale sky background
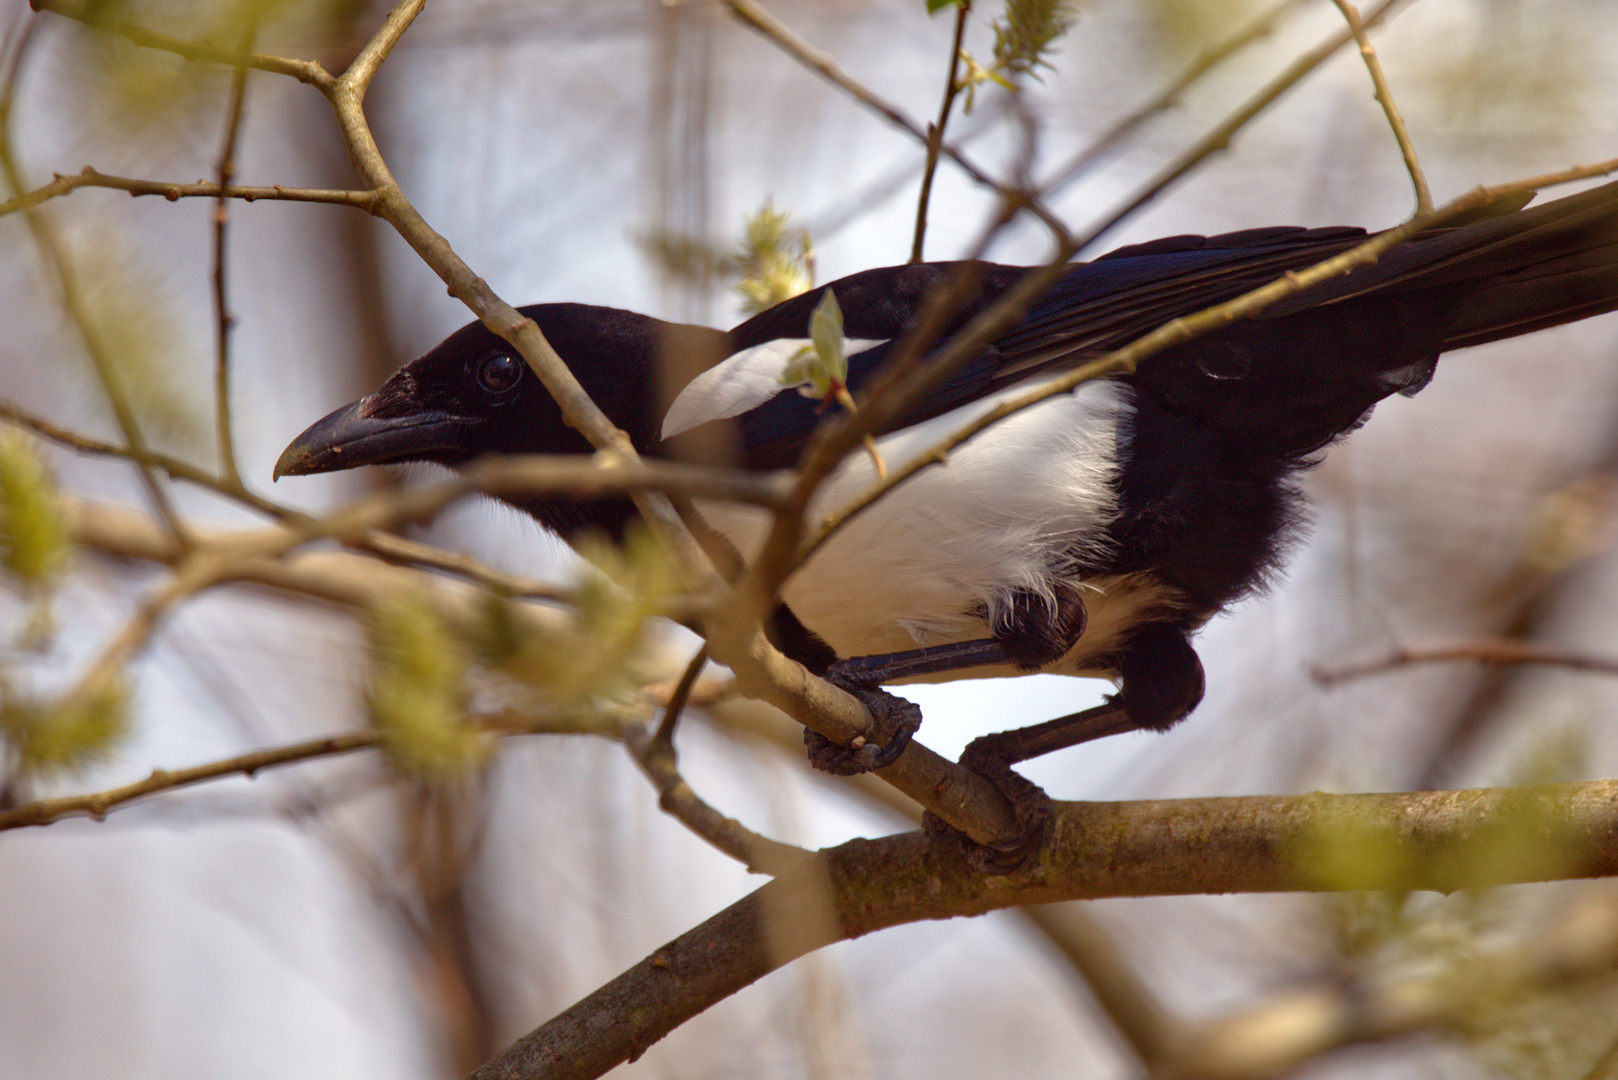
(260, 929)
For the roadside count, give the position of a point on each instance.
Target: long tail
(1511, 274)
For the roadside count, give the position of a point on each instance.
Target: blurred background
(333, 919)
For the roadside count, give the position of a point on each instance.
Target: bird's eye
(499, 372)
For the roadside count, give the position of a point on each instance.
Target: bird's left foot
(896, 721)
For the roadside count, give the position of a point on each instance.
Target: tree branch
(1432, 840)
(1486, 652)
(65, 185)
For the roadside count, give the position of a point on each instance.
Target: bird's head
(473, 394)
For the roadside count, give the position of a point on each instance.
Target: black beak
(349, 438)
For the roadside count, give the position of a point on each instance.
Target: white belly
(935, 560)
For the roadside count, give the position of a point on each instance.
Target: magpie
(1092, 534)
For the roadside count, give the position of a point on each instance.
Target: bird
(1093, 534)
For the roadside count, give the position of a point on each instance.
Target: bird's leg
(1162, 681)
(1030, 631)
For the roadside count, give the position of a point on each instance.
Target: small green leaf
(935, 6)
(826, 331)
(821, 370)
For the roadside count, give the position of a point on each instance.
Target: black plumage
(1185, 508)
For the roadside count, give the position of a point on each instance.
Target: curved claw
(895, 717)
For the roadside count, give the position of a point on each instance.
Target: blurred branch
(338, 577)
(1384, 95)
(1219, 138)
(1170, 95)
(1487, 652)
(53, 252)
(91, 14)
(754, 15)
(1300, 1025)
(64, 185)
(1250, 844)
(935, 132)
(221, 231)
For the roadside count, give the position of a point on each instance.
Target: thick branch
(1427, 840)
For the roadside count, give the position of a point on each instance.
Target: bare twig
(389, 546)
(47, 811)
(663, 740)
(677, 798)
(1418, 179)
(64, 185)
(98, 804)
(1487, 652)
(935, 133)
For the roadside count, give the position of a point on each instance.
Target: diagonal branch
(1252, 844)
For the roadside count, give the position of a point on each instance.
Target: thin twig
(678, 799)
(1384, 95)
(935, 133)
(97, 804)
(47, 811)
(1486, 652)
(64, 185)
(397, 549)
(663, 740)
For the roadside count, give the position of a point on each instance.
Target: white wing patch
(741, 382)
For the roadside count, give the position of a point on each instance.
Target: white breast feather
(740, 382)
(950, 544)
